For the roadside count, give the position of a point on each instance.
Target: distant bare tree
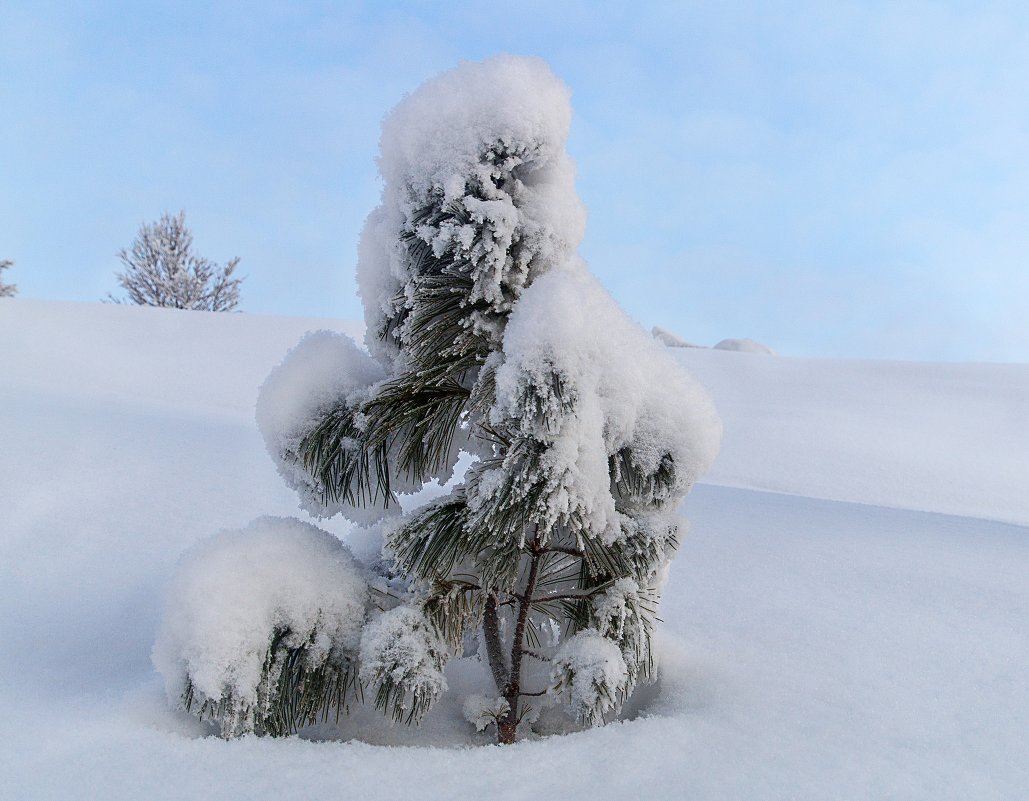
(162, 270)
(6, 290)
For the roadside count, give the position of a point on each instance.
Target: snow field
(816, 644)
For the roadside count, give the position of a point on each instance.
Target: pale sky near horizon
(831, 179)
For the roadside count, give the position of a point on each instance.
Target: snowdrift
(845, 619)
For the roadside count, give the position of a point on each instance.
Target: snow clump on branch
(324, 372)
(242, 604)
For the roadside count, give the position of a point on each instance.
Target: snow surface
(858, 632)
(951, 438)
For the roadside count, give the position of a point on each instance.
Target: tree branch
(561, 549)
(567, 596)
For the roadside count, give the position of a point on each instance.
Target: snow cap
(437, 135)
(486, 138)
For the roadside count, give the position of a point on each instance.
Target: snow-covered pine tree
(485, 334)
(161, 269)
(6, 290)
(488, 335)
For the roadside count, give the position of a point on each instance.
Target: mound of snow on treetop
(512, 109)
(814, 648)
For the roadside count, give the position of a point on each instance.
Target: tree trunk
(507, 725)
(507, 728)
(494, 648)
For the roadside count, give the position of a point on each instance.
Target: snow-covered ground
(847, 617)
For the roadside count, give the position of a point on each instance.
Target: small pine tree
(491, 338)
(486, 335)
(6, 290)
(162, 270)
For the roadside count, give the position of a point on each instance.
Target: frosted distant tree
(488, 336)
(6, 290)
(162, 270)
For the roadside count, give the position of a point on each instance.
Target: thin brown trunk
(508, 724)
(494, 648)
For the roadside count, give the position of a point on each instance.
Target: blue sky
(839, 180)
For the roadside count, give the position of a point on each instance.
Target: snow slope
(950, 438)
(857, 632)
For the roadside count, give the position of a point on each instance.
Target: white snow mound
(744, 346)
(670, 340)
